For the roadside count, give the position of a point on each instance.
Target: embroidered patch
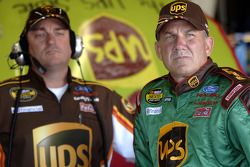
(236, 74)
(172, 144)
(210, 95)
(87, 107)
(206, 103)
(28, 94)
(154, 96)
(153, 110)
(210, 89)
(86, 99)
(178, 8)
(193, 82)
(233, 91)
(203, 112)
(28, 109)
(168, 99)
(84, 91)
(62, 142)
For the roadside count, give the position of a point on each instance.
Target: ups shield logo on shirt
(178, 8)
(172, 144)
(62, 144)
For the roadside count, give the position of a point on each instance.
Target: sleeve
(4, 137)
(141, 144)
(123, 124)
(2, 156)
(239, 124)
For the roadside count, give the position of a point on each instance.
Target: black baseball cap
(182, 9)
(44, 12)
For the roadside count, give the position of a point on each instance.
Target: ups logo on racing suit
(178, 8)
(62, 144)
(172, 144)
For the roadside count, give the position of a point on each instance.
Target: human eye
(60, 32)
(39, 35)
(169, 37)
(190, 34)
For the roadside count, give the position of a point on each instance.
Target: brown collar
(194, 80)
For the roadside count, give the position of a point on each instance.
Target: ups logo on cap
(178, 8)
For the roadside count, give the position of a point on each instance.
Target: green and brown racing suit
(202, 121)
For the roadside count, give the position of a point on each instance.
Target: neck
(178, 79)
(55, 78)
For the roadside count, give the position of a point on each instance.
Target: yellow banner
(118, 36)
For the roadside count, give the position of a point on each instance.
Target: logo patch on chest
(87, 107)
(62, 144)
(153, 110)
(203, 112)
(210, 89)
(154, 96)
(27, 94)
(172, 144)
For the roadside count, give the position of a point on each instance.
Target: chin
(184, 71)
(182, 67)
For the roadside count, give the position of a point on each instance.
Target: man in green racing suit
(198, 114)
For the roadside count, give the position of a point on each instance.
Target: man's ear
(158, 50)
(209, 45)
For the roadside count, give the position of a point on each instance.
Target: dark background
(234, 15)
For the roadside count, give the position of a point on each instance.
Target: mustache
(178, 53)
(52, 49)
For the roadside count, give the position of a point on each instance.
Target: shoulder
(156, 82)
(245, 98)
(153, 85)
(232, 74)
(98, 85)
(92, 86)
(14, 81)
(240, 84)
(151, 88)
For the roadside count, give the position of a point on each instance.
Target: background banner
(118, 35)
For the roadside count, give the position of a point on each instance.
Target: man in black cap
(50, 118)
(199, 113)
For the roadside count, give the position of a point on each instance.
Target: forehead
(48, 21)
(177, 23)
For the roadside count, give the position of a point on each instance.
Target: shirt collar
(194, 80)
